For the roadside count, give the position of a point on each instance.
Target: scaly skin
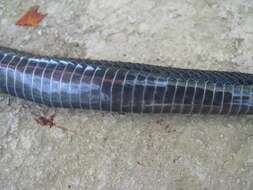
(123, 87)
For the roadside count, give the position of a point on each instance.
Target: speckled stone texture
(111, 151)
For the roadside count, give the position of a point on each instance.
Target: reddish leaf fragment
(49, 121)
(31, 18)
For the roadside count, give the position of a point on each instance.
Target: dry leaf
(31, 17)
(49, 121)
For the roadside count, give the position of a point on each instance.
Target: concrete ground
(111, 151)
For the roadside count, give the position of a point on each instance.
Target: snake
(123, 87)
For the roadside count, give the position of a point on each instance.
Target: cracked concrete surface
(112, 151)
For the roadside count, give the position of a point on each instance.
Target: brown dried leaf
(31, 18)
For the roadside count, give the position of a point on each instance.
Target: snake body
(123, 86)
